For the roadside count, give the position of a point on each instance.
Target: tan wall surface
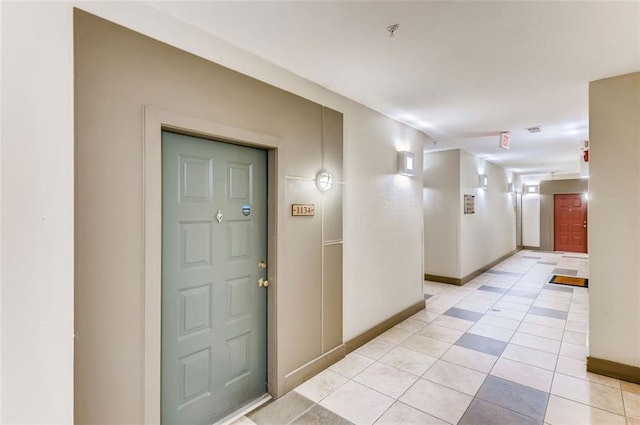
(382, 253)
(614, 205)
(119, 72)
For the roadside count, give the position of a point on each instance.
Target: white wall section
(489, 234)
(459, 244)
(442, 205)
(1, 120)
(531, 220)
(37, 213)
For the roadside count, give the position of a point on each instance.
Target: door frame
(154, 121)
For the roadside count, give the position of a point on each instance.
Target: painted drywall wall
(489, 233)
(119, 73)
(614, 202)
(382, 222)
(456, 244)
(531, 220)
(51, 81)
(373, 189)
(37, 213)
(442, 203)
(547, 190)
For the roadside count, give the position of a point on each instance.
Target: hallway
(506, 348)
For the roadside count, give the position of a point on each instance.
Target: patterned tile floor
(506, 348)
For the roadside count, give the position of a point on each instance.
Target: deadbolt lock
(262, 282)
(262, 265)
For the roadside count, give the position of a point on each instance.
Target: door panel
(213, 312)
(570, 220)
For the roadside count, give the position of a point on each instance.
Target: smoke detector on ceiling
(392, 29)
(535, 129)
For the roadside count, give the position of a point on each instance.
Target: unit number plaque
(304, 210)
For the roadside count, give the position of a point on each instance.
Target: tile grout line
(521, 321)
(509, 342)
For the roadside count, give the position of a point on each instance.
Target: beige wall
(382, 210)
(456, 244)
(614, 235)
(37, 230)
(442, 204)
(118, 73)
(547, 190)
(490, 233)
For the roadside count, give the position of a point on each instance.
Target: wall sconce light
(482, 181)
(324, 180)
(406, 163)
(532, 188)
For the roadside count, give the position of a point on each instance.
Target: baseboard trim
(614, 369)
(382, 327)
(544, 249)
(470, 276)
(312, 368)
(443, 279)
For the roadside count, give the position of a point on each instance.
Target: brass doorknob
(262, 282)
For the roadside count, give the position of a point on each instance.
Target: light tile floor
(506, 348)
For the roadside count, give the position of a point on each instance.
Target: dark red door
(570, 222)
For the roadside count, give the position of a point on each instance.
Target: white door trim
(155, 120)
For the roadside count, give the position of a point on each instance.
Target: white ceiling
(460, 71)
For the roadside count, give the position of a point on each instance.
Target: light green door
(214, 227)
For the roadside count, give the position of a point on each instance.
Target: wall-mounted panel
(332, 144)
(332, 213)
(332, 297)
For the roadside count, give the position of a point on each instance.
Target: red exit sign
(505, 140)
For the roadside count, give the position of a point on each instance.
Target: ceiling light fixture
(392, 29)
